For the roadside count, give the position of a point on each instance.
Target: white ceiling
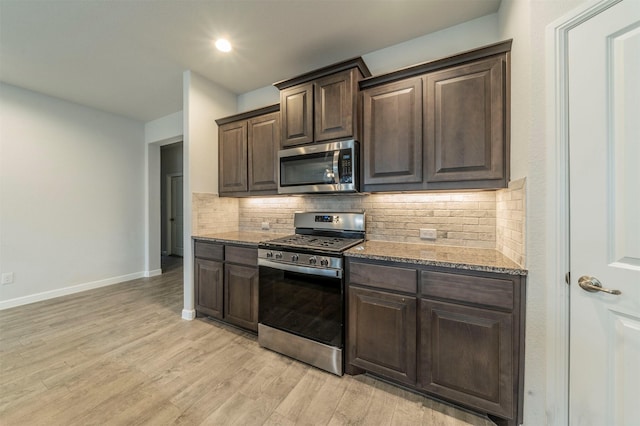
(127, 57)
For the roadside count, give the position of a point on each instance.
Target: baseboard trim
(65, 291)
(154, 273)
(188, 314)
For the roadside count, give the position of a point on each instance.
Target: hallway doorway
(171, 204)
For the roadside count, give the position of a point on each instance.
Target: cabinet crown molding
(248, 114)
(325, 71)
(448, 61)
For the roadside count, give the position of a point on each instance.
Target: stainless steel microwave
(321, 167)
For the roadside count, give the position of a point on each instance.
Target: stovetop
(319, 242)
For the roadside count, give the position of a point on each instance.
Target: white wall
(456, 39)
(152, 250)
(72, 191)
(525, 22)
(204, 101)
(165, 128)
(258, 98)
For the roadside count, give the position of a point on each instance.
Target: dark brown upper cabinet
(465, 126)
(322, 105)
(439, 125)
(232, 140)
(392, 131)
(296, 105)
(263, 139)
(336, 105)
(247, 152)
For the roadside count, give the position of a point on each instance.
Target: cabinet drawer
(382, 276)
(485, 291)
(241, 255)
(208, 250)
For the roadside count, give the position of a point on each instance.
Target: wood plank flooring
(121, 355)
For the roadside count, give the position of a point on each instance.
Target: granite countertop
(245, 238)
(474, 259)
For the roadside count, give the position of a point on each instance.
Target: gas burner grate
(314, 241)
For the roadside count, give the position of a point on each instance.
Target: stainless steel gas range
(301, 312)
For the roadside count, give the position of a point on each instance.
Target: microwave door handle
(336, 171)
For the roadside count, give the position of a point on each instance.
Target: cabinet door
(465, 123)
(466, 356)
(208, 280)
(296, 106)
(263, 144)
(335, 103)
(241, 296)
(232, 141)
(392, 139)
(382, 333)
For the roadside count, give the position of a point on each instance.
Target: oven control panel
(302, 259)
(327, 218)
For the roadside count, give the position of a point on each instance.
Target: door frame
(557, 197)
(169, 199)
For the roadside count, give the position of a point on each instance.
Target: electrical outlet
(7, 277)
(428, 234)
(265, 226)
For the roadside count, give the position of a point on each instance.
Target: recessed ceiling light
(223, 45)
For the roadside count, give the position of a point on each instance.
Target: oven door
(306, 302)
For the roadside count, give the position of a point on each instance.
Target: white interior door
(177, 217)
(604, 140)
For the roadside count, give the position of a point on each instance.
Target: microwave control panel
(346, 166)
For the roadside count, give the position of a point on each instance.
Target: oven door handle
(330, 273)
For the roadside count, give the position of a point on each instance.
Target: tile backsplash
(461, 219)
(482, 219)
(212, 214)
(510, 221)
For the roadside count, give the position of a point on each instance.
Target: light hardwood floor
(121, 355)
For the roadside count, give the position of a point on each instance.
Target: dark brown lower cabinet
(241, 297)
(208, 283)
(226, 283)
(466, 355)
(391, 349)
(457, 335)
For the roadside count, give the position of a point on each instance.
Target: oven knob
(294, 258)
(279, 255)
(313, 260)
(269, 254)
(324, 262)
